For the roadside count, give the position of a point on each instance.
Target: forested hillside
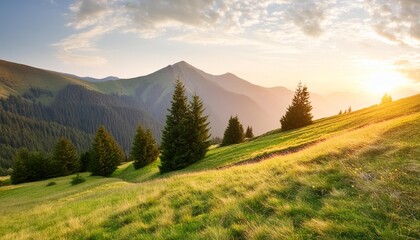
(78, 106)
(75, 114)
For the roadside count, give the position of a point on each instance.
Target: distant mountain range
(80, 104)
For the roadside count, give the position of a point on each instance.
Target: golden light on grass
(383, 82)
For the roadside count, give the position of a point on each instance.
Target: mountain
(223, 96)
(82, 103)
(16, 79)
(109, 78)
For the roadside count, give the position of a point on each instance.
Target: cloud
(80, 49)
(86, 13)
(308, 16)
(263, 24)
(410, 67)
(397, 21)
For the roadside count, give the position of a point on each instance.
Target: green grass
(360, 182)
(18, 78)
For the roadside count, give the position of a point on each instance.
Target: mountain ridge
(223, 95)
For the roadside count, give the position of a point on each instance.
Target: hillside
(353, 176)
(156, 90)
(16, 79)
(82, 104)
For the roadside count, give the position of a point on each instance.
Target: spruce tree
(298, 114)
(144, 150)
(106, 154)
(65, 158)
(20, 172)
(249, 133)
(234, 132)
(185, 138)
(199, 132)
(175, 139)
(85, 159)
(386, 98)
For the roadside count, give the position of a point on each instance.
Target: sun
(384, 82)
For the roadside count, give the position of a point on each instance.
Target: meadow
(351, 176)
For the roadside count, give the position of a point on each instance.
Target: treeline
(185, 141)
(32, 166)
(21, 132)
(102, 160)
(75, 114)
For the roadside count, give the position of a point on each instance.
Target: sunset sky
(329, 45)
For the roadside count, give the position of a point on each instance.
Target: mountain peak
(182, 64)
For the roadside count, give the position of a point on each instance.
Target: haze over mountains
(78, 105)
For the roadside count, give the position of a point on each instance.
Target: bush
(77, 180)
(5, 182)
(51, 184)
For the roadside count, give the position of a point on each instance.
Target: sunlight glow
(384, 82)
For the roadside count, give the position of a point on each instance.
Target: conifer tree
(249, 133)
(144, 150)
(106, 154)
(386, 98)
(85, 159)
(341, 112)
(199, 130)
(175, 139)
(298, 114)
(185, 138)
(234, 132)
(20, 172)
(349, 110)
(65, 159)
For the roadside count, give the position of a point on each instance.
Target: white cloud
(397, 21)
(265, 24)
(409, 65)
(80, 48)
(308, 16)
(86, 13)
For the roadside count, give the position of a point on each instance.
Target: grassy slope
(16, 79)
(360, 182)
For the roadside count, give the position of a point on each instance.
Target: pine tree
(349, 110)
(298, 114)
(20, 172)
(65, 158)
(199, 130)
(106, 154)
(386, 98)
(85, 159)
(249, 133)
(144, 150)
(185, 138)
(234, 132)
(341, 112)
(175, 139)
(31, 166)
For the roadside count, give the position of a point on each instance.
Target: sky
(330, 45)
